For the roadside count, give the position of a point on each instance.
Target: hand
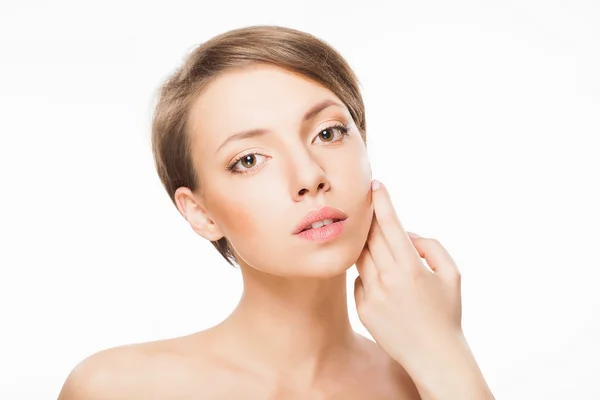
(413, 311)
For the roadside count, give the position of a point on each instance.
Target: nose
(310, 177)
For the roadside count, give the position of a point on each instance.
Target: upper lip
(319, 215)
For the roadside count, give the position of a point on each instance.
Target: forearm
(450, 374)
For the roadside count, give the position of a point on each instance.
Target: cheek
(353, 164)
(354, 176)
(238, 219)
(247, 225)
(358, 188)
(363, 164)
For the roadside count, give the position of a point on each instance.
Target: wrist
(449, 371)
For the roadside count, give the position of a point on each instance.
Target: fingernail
(375, 185)
(413, 235)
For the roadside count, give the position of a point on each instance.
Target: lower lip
(324, 233)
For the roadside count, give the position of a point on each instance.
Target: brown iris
(248, 161)
(329, 134)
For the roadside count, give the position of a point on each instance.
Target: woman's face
(297, 166)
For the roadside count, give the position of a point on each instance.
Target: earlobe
(204, 226)
(196, 215)
(209, 232)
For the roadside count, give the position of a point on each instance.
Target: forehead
(256, 97)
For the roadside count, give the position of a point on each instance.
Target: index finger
(399, 243)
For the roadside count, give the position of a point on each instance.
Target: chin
(322, 265)
(324, 270)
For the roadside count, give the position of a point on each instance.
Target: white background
(483, 121)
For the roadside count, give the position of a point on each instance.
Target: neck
(290, 327)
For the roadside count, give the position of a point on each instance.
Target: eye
(246, 162)
(328, 136)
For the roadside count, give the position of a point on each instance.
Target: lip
(319, 215)
(324, 233)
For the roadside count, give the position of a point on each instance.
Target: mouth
(321, 233)
(320, 225)
(317, 219)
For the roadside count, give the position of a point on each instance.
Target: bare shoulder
(102, 375)
(133, 371)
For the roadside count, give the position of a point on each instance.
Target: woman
(260, 141)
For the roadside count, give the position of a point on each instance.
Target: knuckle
(377, 299)
(385, 215)
(455, 274)
(389, 281)
(434, 242)
(414, 273)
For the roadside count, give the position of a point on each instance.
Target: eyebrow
(310, 114)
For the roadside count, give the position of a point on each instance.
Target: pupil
(248, 159)
(326, 136)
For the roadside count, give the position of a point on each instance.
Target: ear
(192, 209)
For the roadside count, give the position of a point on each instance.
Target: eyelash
(343, 128)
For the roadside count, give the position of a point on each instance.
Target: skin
(290, 335)
(414, 310)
